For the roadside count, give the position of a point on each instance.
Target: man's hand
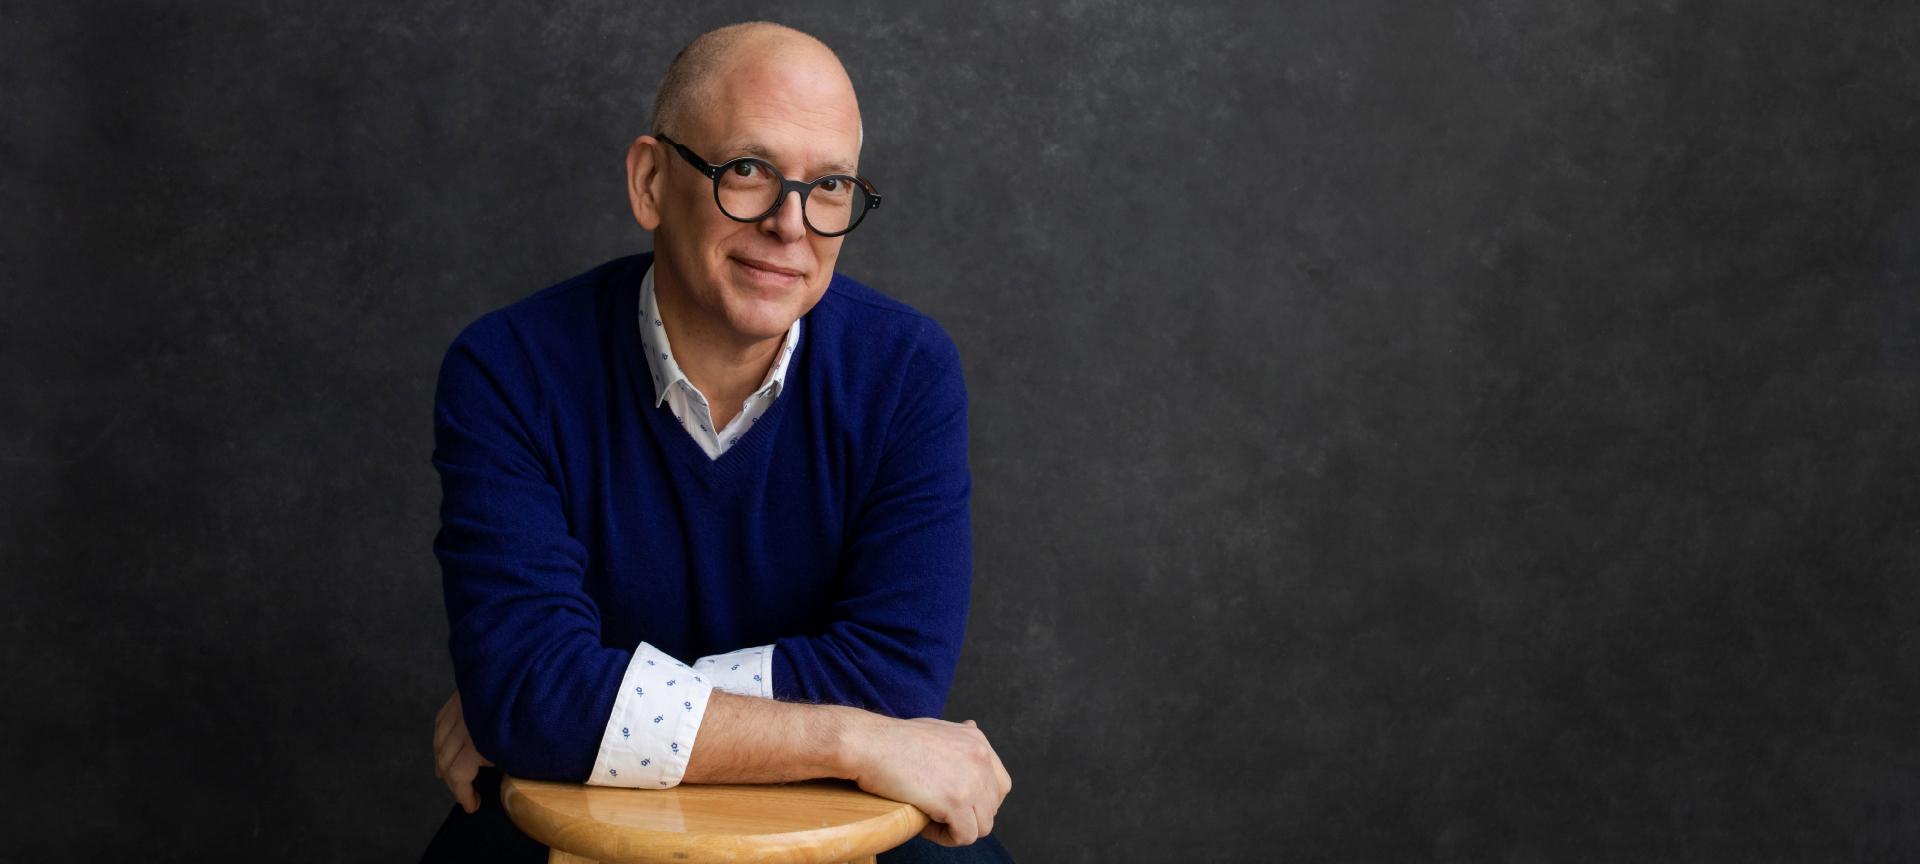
(454, 760)
(948, 770)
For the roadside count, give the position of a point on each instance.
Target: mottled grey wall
(1401, 431)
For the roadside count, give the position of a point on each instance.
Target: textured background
(1469, 431)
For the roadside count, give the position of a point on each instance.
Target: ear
(645, 175)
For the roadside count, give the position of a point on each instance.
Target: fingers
(954, 825)
(463, 793)
(445, 752)
(997, 777)
(441, 735)
(941, 833)
(965, 828)
(466, 736)
(449, 710)
(997, 784)
(987, 805)
(459, 777)
(465, 766)
(444, 722)
(456, 762)
(961, 827)
(949, 770)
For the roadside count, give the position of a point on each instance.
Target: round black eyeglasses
(749, 189)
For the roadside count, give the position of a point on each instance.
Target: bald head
(701, 72)
(770, 102)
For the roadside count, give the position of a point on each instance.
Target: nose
(788, 222)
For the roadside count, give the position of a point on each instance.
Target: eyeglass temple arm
(699, 164)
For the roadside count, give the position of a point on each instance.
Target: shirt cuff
(655, 718)
(746, 672)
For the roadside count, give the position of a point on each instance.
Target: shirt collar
(666, 372)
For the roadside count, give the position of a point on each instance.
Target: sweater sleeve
(535, 680)
(895, 634)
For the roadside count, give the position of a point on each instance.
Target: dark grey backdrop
(1473, 431)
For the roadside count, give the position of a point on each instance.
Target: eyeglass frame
(802, 187)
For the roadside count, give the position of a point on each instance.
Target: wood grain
(815, 822)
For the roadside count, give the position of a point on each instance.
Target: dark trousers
(489, 836)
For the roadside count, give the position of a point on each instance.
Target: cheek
(826, 251)
(711, 244)
(730, 237)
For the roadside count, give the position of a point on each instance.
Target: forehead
(795, 108)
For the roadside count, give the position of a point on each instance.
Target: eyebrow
(761, 151)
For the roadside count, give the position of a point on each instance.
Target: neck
(722, 364)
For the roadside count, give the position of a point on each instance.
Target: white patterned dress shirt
(689, 405)
(657, 714)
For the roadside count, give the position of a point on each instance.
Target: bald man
(705, 510)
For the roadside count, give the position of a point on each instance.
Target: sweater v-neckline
(735, 460)
(744, 451)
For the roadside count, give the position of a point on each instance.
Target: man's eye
(744, 169)
(831, 184)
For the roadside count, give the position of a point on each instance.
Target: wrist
(847, 732)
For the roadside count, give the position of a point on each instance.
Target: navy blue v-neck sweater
(577, 519)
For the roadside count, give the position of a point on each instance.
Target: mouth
(767, 272)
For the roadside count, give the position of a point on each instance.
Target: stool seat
(823, 821)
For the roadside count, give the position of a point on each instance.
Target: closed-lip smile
(771, 268)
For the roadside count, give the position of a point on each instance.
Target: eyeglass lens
(749, 189)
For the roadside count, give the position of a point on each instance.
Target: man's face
(751, 280)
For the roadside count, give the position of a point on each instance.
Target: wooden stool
(815, 822)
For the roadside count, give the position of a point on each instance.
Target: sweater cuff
(746, 672)
(650, 734)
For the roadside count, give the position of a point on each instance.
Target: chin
(761, 319)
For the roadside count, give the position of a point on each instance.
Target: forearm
(750, 740)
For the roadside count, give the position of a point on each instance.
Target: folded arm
(896, 630)
(544, 699)
(535, 681)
